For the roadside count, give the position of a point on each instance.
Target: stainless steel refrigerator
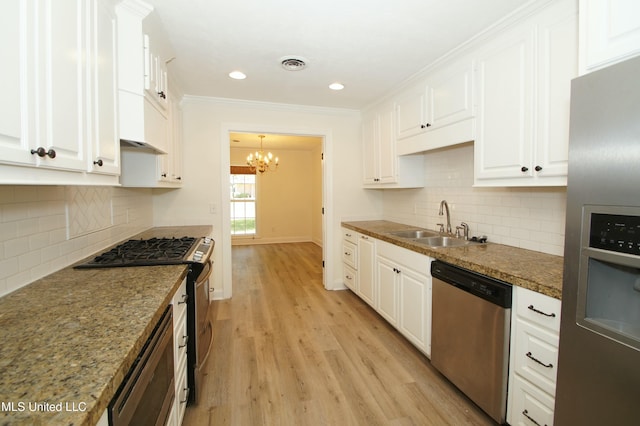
(599, 354)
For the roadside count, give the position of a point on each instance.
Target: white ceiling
(368, 45)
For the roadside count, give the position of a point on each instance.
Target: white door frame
(327, 179)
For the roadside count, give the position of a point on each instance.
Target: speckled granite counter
(533, 270)
(69, 339)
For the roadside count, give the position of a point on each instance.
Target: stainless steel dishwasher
(471, 325)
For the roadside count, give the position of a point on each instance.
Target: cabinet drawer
(538, 308)
(529, 406)
(350, 278)
(182, 394)
(179, 301)
(349, 235)
(350, 254)
(180, 340)
(536, 355)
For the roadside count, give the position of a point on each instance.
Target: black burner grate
(154, 251)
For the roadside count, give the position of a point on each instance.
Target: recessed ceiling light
(336, 86)
(237, 75)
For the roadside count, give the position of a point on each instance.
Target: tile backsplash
(530, 218)
(46, 228)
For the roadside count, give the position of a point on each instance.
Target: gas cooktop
(151, 252)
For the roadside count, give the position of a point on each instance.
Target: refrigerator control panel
(613, 232)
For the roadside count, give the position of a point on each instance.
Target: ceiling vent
(291, 63)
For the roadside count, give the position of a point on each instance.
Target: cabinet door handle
(99, 162)
(526, 414)
(551, 315)
(364, 237)
(524, 169)
(162, 95)
(179, 178)
(531, 357)
(424, 126)
(538, 168)
(185, 297)
(346, 253)
(41, 152)
(163, 175)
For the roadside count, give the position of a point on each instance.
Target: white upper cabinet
(52, 115)
(438, 112)
(609, 32)
(142, 78)
(382, 167)
(105, 150)
(524, 82)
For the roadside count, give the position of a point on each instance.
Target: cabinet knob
(51, 153)
(162, 95)
(185, 339)
(40, 151)
(164, 175)
(524, 169)
(99, 163)
(424, 126)
(179, 178)
(538, 168)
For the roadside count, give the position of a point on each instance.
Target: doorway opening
(288, 205)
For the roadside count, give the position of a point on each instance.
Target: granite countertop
(533, 270)
(69, 338)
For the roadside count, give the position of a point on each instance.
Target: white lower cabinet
(404, 291)
(396, 282)
(180, 339)
(535, 327)
(387, 277)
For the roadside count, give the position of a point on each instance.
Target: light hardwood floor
(289, 352)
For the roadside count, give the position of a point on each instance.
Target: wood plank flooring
(289, 352)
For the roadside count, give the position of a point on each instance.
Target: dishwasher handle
(490, 289)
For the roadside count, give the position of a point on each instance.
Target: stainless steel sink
(414, 233)
(443, 241)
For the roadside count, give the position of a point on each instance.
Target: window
(243, 201)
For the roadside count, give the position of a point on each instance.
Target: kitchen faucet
(445, 207)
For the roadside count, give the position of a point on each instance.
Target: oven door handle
(206, 272)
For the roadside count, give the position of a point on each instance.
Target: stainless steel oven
(195, 252)
(147, 393)
(199, 347)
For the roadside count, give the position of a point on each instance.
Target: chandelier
(262, 162)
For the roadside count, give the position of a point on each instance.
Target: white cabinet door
(61, 80)
(415, 308)
(387, 275)
(609, 32)
(387, 159)
(557, 66)
(366, 269)
(16, 84)
(451, 95)
(370, 149)
(412, 114)
(105, 155)
(505, 73)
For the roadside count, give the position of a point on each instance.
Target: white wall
(530, 218)
(46, 228)
(284, 198)
(207, 123)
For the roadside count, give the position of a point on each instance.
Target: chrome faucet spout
(444, 207)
